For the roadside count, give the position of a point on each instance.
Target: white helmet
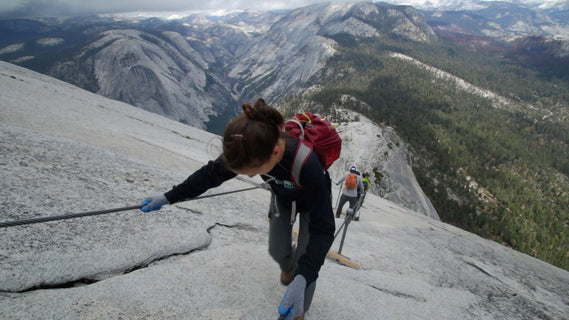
(353, 168)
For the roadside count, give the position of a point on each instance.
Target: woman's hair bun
(261, 111)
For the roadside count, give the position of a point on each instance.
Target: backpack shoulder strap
(301, 136)
(303, 151)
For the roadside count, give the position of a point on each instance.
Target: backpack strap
(301, 155)
(301, 136)
(303, 151)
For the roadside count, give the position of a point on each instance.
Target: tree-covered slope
(489, 134)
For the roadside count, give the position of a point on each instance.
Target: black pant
(343, 199)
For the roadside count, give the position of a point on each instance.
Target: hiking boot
(288, 276)
(301, 317)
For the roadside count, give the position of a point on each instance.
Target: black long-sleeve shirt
(314, 198)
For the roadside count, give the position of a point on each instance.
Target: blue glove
(292, 305)
(154, 203)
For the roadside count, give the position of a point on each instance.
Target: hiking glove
(154, 203)
(292, 305)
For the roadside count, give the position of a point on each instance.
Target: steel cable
(100, 212)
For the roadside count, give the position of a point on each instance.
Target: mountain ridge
(237, 53)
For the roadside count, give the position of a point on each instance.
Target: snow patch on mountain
(50, 42)
(12, 48)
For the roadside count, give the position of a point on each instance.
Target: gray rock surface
(65, 150)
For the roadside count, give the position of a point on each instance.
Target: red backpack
(314, 134)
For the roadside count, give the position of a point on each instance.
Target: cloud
(43, 8)
(51, 8)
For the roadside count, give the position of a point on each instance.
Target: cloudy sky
(35, 8)
(20, 8)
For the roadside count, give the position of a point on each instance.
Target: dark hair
(249, 139)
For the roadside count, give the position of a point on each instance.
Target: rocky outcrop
(197, 70)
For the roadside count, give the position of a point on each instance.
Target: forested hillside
(491, 151)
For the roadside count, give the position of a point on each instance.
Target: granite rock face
(67, 150)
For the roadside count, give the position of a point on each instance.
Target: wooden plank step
(337, 256)
(343, 260)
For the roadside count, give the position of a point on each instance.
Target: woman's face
(266, 167)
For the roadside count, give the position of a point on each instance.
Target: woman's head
(250, 139)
